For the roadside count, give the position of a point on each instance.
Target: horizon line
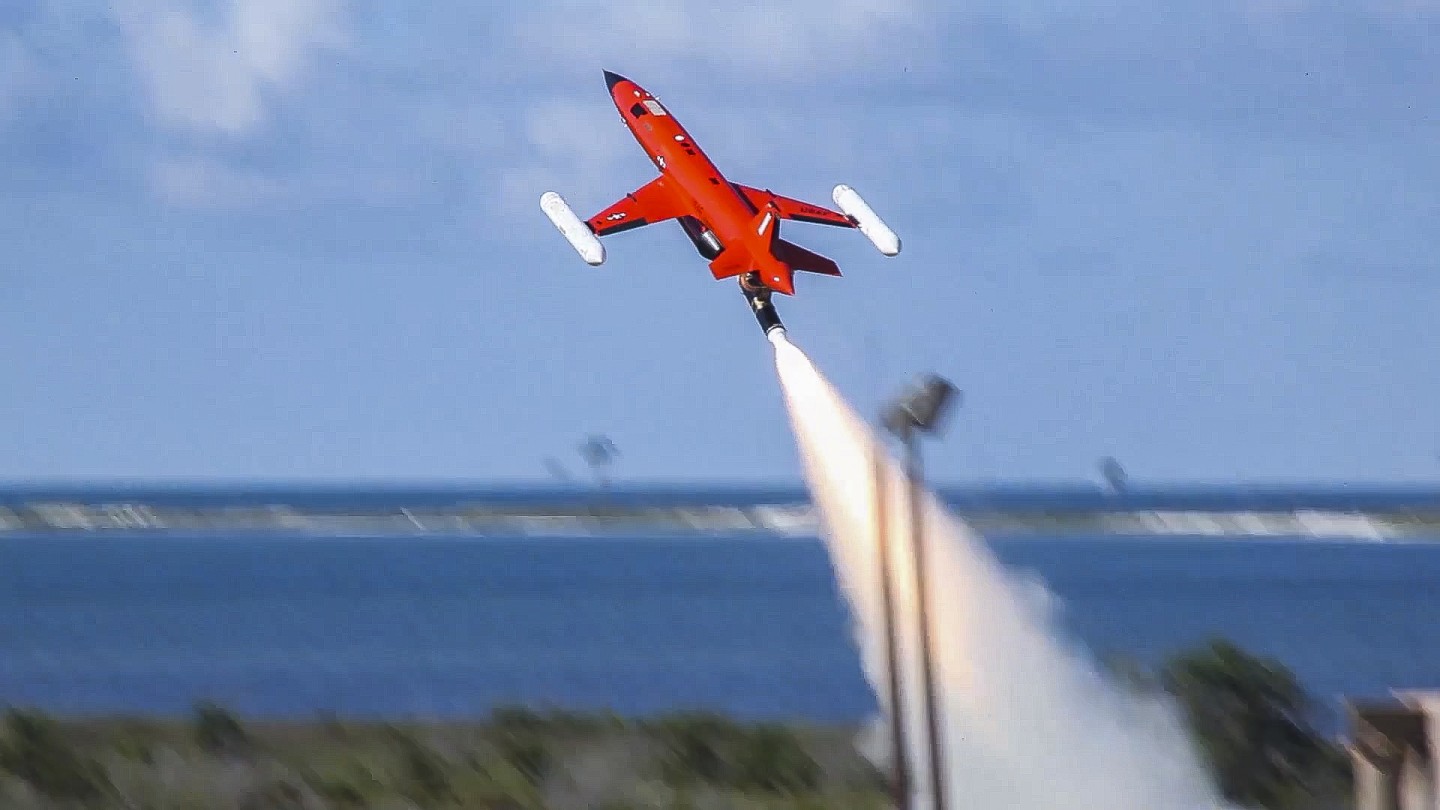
(581, 483)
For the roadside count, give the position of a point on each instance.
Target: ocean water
(451, 626)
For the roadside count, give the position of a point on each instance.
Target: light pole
(901, 763)
(921, 411)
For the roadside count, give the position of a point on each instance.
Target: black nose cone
(612, 79)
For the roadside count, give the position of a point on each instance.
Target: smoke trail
(1027, 722)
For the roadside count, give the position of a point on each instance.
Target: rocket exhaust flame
(1028, 722)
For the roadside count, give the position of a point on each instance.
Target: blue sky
(300, 239)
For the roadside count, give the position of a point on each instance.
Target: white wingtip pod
(869, 222)
(574, 229)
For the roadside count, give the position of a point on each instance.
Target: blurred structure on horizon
(599, 452)
(1392, 751)
(1113, 474)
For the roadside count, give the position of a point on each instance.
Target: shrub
(35, 752)
(516, 718)
(278, 795)
(134, 748)
(772, 759)
(1251, 719)
(341, 794)
(426, 780)
(555, 721)
(218, 731)
(526, 752)
(698, 747)
(519, 735)
(344, 785)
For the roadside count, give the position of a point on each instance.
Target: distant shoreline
(792, 520)
(1372, 513)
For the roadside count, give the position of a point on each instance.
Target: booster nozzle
(758, 296)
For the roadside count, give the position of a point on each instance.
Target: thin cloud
(791, 43)
(213, 78)
(1292, 68)
(205, 183)
(17, 74)
(499, 101)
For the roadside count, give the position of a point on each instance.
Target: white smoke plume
(1027, 723)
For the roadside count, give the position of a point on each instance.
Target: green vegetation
(35, 751)
(1253, 724)
(517, 759)
(1249, 716)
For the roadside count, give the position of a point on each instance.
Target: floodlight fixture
(924, 406)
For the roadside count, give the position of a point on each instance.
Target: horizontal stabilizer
(801, 259)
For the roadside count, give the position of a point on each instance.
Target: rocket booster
(757, 295)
